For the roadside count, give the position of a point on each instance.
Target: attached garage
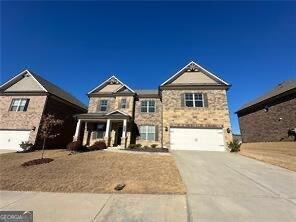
(11, 139)
(197, 139)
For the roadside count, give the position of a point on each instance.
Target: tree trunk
(43, 148)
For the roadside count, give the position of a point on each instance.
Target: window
(194, 100)
(103, 105)
(19, 105)
(100, 131)
(123, 104)
(147, 132)
(148, 106)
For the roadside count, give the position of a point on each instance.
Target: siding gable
(25, 84)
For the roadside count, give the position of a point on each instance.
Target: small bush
(27, 146)
(75, 146)
(146, 147)
(132, 146)
(138, 145)
(154, 145)
(98, 145)
(234, 146)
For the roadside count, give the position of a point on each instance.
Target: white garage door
(197, 139)
(11, 139)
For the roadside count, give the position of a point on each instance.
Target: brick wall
(113, 104)
(149, 119)
(64, 111)
(217, 112)
(22, 120)
(261, 126)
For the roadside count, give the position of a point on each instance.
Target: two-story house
(24, 100)
(188, 111)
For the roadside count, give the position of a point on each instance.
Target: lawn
(95, 172)
(282, 154)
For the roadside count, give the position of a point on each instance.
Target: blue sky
(79, 44)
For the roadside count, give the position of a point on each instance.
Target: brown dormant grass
(95, 172)
(282, 154)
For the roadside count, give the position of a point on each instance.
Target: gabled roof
(277, 91)
(193, 66)
(46, 86)
(107, 81)
(115, 112)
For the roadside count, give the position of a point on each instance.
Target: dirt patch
(96, 172)
(282, 154)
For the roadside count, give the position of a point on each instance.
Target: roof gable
(194, 74)
(15, 85)
(26, 83)
(111, 85)
(117, 112)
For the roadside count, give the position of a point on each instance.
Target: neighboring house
(189, 111)
(270, 117)
(24, 99)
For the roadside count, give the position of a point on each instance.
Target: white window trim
(193, 96)
(147, 107)
(103, 105)
(125, 103)
(18, 105)
(146, 132)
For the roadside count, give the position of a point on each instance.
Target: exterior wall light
(228, 130)
(266, 108)
(33, 128)
(166, 129)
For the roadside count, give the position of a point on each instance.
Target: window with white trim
(19, 105)
(123, 104)
(103, 105)
(148, 106)
(194, 100)
(147, 132)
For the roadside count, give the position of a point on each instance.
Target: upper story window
(194, 100)
(123, 104)
(147, 132)
(19, 105)
(103, 105)
(148, 106)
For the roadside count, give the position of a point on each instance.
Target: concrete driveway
(228, 187)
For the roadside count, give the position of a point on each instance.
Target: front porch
(114, 128)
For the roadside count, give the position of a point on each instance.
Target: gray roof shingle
(279, 89)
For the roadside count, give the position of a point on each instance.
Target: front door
(118, 136)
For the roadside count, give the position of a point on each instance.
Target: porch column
(107, 129)
(124, 128)
(76, 135)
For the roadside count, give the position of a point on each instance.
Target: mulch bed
(152, 150)
(36, 162)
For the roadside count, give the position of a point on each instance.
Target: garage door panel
(10, 139)
(197, 139)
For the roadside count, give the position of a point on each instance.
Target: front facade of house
(189, 111)
(271, 117)
(27, 97)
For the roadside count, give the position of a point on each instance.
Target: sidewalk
(63, 207)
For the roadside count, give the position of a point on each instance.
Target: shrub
(234, 146)
(27, 146)
(98, 145)
(138, 145)
(146, 147)
(75, 146)
(154, 145)
(132, 146)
